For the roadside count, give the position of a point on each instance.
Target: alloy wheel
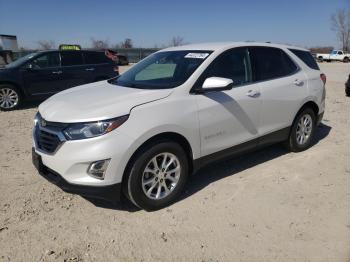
(304, 129)
(161, 175)
(8, 98)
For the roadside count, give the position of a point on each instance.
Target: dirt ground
(270, 205)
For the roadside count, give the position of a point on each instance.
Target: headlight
(92, 129)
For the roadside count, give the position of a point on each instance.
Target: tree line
(105, 44)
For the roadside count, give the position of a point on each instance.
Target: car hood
(96, 101)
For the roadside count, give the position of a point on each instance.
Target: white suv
(141, 134)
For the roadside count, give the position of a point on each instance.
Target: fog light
(97, 169)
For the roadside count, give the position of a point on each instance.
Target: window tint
(71, 58)
(45, 61)
(306, 57)
(269, 63)
(96, 58)
(340, 52)
(233, 64)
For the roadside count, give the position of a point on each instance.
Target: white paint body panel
(209, 122)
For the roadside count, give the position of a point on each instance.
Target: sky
(153, 23)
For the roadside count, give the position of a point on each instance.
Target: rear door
(98, 66)
(282, 84)
(73, 69)
(42, 75)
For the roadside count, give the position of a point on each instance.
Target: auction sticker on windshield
(197, 55)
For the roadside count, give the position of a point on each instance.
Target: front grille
(48, 135)
(46, 141)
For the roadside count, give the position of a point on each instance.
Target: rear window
(269, 63)
(96, 58)
(306, 57)
(71, 58)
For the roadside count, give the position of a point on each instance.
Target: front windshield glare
(162, 70)
(20, 60)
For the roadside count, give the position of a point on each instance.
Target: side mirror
(217, 84)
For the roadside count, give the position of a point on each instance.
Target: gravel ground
(270, 205)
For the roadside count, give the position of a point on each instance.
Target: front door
(42, 76)
(229, 118)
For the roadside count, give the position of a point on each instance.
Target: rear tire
(157, 175)
(10, 97)
(302, 132)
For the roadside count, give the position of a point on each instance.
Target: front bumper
(110, 192)
(71, 159)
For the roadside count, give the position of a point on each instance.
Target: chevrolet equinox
(144, 132)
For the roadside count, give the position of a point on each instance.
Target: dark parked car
(347, 87)
(39, 75)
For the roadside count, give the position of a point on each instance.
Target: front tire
(157, 176)
(346, 60)
(302, 132)
(10, 98)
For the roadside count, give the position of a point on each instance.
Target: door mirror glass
(217, 84)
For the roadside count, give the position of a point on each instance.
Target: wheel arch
(165, 136)
(20, 89)
(312, 105)
(308, 104)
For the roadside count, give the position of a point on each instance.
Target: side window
(306, 57)
(340, 52)
(71, 58)
(269, 63)
(96, 58)
(233, 64)
(45, 61)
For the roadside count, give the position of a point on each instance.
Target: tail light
(323, 78)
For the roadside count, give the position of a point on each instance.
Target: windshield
(334, 52)
(20, 60)
(162, 70)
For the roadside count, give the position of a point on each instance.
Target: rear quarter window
(269, 63)
(96, 58)
(71, 58)
(306, 57)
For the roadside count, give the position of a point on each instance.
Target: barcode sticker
(197, 55)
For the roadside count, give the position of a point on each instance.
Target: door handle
(89, 69)
(253, 93)
(57, 72)
(298, 82)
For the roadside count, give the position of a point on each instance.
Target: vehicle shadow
(219, 170)
(123, 205)
(232, 166)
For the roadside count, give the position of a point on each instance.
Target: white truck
(335, 55)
